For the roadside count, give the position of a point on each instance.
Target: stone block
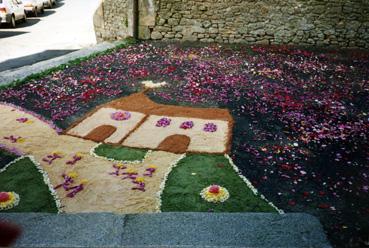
(156, 35)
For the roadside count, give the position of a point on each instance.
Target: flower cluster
(118, 167)
(215, 194)
(15, 139)
(120, 115)
(163, 122)
(69, 184)
(133, 175)
(150, 170)
(77, 157)
(140, 184)
(210, 127)
(187, 125)
(24, 120)
(52, 157)
(8, 200)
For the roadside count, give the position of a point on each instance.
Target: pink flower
(120, 115)
(163, 122)
(187, 125)
(22, 120)
(210, 127)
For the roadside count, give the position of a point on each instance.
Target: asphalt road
(65, 28)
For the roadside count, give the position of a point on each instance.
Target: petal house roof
(139, 102)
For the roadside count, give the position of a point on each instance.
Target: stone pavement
(168, 230)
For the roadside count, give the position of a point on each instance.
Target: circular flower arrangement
(187, 125)
(210, 127)
(120, 115)
(8, 200)
(215, 194)
(163, 122)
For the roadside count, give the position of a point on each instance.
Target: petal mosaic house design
(143, 128)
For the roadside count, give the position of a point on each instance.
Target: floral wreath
(8, 200)
(214, 193)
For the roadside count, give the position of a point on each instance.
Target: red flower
(4, 196)
(169, 69)
(323, 206)
(291, 203)
(321, 193)
(286, 167)
(214, 189)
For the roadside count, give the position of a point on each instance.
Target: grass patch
(120, 153)
(36, 76)
(182, 190)
(24, 178)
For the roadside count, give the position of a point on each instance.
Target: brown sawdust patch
(101, 133)
(139, 102)
(175, 143)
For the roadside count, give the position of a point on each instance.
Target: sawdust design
(143, 131)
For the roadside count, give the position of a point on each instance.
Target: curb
(174, 229)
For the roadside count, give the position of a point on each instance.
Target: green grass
(36, 76)
(120, 153)
(182, 190)
(24, 179)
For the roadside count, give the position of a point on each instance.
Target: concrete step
(168, 230)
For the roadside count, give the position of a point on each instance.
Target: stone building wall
(343, 23)
(112, 20)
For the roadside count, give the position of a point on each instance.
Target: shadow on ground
(48, 12)
(6, 34)
(31, 59)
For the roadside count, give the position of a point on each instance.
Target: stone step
(168, 230)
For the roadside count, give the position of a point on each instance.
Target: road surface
(65, 28)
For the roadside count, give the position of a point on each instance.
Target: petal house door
(101, 133)
(175, 143)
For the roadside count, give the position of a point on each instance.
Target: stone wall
(112, 20)
(343, 23)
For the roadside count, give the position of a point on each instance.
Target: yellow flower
(120, 165)
(21, 140)
(84, 181)
(131, 171)
(72, 174)
(153, 166)
(57, 153)
(29, 122)
(192, 56)
(78, 154)
(140, 180)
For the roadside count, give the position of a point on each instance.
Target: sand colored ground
(103, 192)
(103, 117)
(148, 135)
